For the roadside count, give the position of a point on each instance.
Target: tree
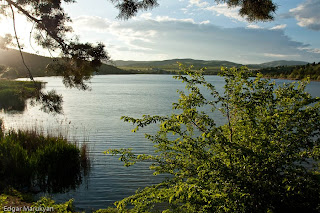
(264, 159)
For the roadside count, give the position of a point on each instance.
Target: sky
(197, 29)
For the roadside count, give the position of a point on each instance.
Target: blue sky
(201, 29)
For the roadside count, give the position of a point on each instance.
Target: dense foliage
(264, 159)
(293, 72)
(31, 161)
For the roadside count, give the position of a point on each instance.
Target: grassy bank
(13, 94)
(31, 161)
(14, 201)
(22, 203)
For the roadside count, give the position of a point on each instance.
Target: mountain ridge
(132, 63)
(11, 65)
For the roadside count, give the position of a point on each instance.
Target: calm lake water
(94, 116)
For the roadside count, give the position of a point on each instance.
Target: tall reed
(30, 160)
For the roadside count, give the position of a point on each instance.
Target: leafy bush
(264, 159)
(45, 202)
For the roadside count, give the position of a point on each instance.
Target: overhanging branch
(62, 44)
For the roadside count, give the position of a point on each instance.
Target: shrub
(264, 159)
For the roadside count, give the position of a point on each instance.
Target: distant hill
(11, 59)
(210, 64)
(11, 65)
(297, 72)
(173, 62)
(121, 63)
(106, 69)
(278, 63)
(167, 66)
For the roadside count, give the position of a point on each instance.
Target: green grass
(17, 199)
(20, 205)
(31, 161)
(14, 198)
(13, 94)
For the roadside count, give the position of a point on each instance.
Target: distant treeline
(297, 72)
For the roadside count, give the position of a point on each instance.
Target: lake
(94, 117)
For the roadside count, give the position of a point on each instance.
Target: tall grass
(30, 160)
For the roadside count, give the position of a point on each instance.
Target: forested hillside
(276, 64)
(171, 66)
(293, 72)
(212, 66)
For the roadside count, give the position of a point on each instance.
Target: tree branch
(18, 43)
(63, 45)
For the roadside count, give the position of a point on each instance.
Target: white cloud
(254, 26)
(96, 28)
(205, 22)
(278, 27)
(184, 10)
(146, 15)
(272, 55)
(307, 14)
(218, 9)
(164, 37)
(168, 19)
(91, 23)
(310, 50)
(180, 39)
(131, 36)
(224, 9)
(314, 50)
(198, 3)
